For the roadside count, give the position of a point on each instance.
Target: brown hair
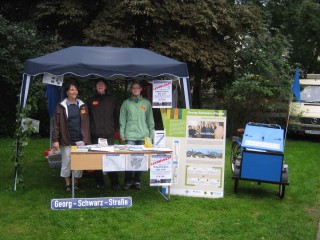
(68, 86)
(136, 82)
(100, 80)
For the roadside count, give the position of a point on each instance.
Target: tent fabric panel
(105, 61)
(54, 96)
(26, 79)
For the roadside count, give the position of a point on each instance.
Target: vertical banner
(197, 138)
(162, 94)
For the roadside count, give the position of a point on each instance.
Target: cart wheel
(282, 189)
(236, 183)
(235, 153)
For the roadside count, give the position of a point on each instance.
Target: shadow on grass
(257, 191)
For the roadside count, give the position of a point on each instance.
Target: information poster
(136, 162)
(160, 169)
(162, 93)
(197, 138)
(113, 162)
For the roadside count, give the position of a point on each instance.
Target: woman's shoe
(127, 186)
(69, 188)
(137, 186)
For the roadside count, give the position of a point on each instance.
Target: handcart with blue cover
(259, 156)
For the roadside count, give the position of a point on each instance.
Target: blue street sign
(80, 203)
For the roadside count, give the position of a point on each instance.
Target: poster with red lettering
(160, 169)
(162, 94)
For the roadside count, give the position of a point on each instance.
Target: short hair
(101, 80)
(136, 82)
(68, 86)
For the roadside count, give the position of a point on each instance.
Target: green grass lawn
(256, 212)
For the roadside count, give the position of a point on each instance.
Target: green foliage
(261, 89)
(246, 96)
(24, 129)
(298, 21)
(202, 33)
(18, 42)
(254, 98)
(23, 132)
(264, 53)
(64, 20)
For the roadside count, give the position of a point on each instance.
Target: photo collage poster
(197, 138)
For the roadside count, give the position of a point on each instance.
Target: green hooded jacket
(136, 119)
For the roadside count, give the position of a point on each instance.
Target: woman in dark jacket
(104, 121)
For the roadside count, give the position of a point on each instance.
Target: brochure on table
(197, 138)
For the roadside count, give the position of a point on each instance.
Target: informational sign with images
(160, 169)
(49, 78)
(197, 138)
(162, 94)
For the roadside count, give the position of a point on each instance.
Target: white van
(305, 118)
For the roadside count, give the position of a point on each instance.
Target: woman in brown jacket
(70, 126)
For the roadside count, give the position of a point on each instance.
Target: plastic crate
(54, 160)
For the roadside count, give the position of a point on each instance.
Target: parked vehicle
(305, 117)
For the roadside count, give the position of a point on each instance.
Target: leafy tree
(64, 20)
(17, 43)
(298, 21)
(202, 33)
(261, 90)
(18, 10)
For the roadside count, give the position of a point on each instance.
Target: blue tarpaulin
(105, 62)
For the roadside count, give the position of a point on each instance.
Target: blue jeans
(131, 177)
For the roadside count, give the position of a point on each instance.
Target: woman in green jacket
(136, 123)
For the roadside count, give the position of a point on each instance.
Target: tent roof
(106, 62)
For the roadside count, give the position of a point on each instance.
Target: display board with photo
(198, 145)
